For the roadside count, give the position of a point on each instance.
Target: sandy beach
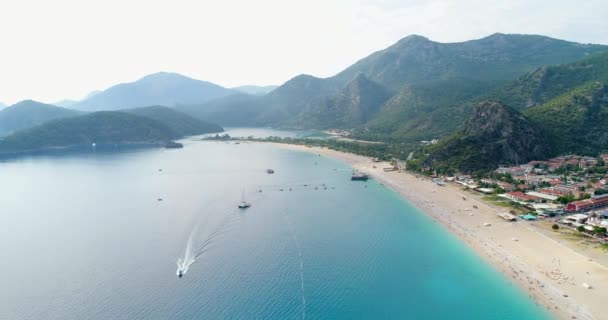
(551, 272)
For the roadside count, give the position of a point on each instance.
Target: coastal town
(569, 190)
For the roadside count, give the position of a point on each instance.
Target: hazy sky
(51, 50)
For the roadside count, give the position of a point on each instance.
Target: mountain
(255, 90)
(425, 111)
(235, 110)
(576, 121)
(29, 113)
(167, 89)
(102, 128)
(567, 104)
(92, 93)
(493, 134)
(179, 122)
(431, 87)
(548, 82)
(439, 84)
(66, 103)
(292, 97)
(357, 102)
(416, 59)
(272, 109)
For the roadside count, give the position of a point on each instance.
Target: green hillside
(576, 121)
(493, 134)
(425, 111)
(355, 104)
(29, 113)
(234, 110)
(423, 89)
(548, 82)
(100, 127)
(182, 124)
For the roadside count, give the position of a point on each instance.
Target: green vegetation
(549, 82)
(580, 228)
(565, 199)
(28, 113)
(600, 191)
(352, 106)
(599, 230)
(101, 128)
(414, 90)
(555, 227)
(149, 125)
(575, 121)
(493, 199)
(380, 151)
(492, 135)
(180, 123)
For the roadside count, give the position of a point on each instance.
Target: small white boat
(244, 204)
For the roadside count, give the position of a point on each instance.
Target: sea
(97, 234)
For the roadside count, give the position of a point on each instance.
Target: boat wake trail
(193, 250)
(299, 248)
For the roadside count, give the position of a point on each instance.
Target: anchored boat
(358, 175)
(243, 204)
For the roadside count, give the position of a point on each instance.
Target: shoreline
(551, 273)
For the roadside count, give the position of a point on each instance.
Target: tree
(600, 191)
(599, 230)
(580, 228)
(584, 196)
(555, 227)
(565, 199)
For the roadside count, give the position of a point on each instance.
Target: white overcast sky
(51, 50)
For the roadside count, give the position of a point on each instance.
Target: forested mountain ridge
(427, 88)
(28, 113)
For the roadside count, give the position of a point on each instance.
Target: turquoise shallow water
(85, 237)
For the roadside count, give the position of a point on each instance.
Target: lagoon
(96, 235)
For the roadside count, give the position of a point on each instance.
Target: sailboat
(244, 204)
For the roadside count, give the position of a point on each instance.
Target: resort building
(485, 190)
(576, 220)
(587, 204)
(520, 196)
(543, 196)
(600, 220)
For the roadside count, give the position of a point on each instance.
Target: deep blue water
(84, 236)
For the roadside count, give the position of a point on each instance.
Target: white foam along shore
(553, 274)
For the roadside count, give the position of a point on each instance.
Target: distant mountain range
(417, 89)
(66, 103)
(163, 88)
(255, 90)
(414, 90)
